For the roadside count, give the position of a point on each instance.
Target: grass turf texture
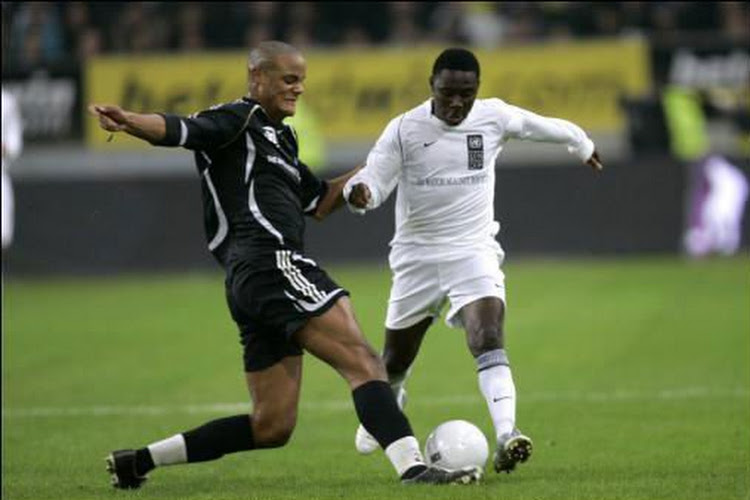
(633, 379)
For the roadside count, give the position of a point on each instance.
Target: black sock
(215, 439)
(377, 410)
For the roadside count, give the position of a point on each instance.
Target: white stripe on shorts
(299, 284)
(295, 276)
(307, 306)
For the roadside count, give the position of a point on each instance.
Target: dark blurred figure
(190, 27)
(403, 28)
(735, 19)
(447, 24)
(634, 18)
(141, 27)
(556, 23)
(83, 37)
(76, 18)
(607, 19)
(36, 35)
(301, 18)
(524, 22)
(262, 21)
(355, 36)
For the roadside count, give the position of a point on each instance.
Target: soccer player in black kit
(256, 192)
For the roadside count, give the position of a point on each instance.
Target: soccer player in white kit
(441, 155)
(12, 129)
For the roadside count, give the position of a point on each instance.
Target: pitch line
(678, 394)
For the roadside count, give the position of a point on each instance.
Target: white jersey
(12, 142)
(446, 174)
(11, 128)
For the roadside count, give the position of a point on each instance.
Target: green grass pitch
(633, 379)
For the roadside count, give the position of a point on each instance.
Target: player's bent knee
(485, 339)
(273, 436)
(366, 365)
(273, 432)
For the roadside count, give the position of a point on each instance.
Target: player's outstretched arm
(334, 197)
(149, 127)
(525, 125)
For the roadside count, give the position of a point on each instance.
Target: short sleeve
(313, 189)
(209, 129)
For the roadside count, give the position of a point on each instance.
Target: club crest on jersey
(475, 150)
(270, 134)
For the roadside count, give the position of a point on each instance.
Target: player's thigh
(273, 299)
(475, 277)
(264, 345)
(416, 293)
(336, 338)
(275, 395)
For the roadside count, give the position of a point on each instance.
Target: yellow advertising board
(354, 93)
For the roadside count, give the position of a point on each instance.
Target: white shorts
(423, 282)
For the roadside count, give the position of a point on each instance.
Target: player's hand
(594, 162)
(111, 118)
(360, 196)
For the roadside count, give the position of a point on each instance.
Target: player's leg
(7, 210)
(477, 296)
(399, 351)
(335, 337)
(483, 322)
(273, 367)
(415, 299)
(275, 395)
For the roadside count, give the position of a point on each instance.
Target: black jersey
(256, 191)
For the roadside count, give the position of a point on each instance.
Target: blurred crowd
(50, 33)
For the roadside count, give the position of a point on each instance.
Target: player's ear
(432, 82)
(255, 76)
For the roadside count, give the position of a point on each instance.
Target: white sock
(496, 384)
(169, 451)
(404, 454)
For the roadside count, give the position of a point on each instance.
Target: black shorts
(271, 298)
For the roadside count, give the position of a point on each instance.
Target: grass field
(633, 378)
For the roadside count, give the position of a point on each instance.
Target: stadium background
(632, 363)
(88, 206)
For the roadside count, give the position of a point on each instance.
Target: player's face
(453, 94)
(282, 84)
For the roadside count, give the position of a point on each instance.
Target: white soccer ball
(456, 444)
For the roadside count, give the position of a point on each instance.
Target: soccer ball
(456, 444)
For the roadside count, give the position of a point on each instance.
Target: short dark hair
(456, 58)
(263, 55)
